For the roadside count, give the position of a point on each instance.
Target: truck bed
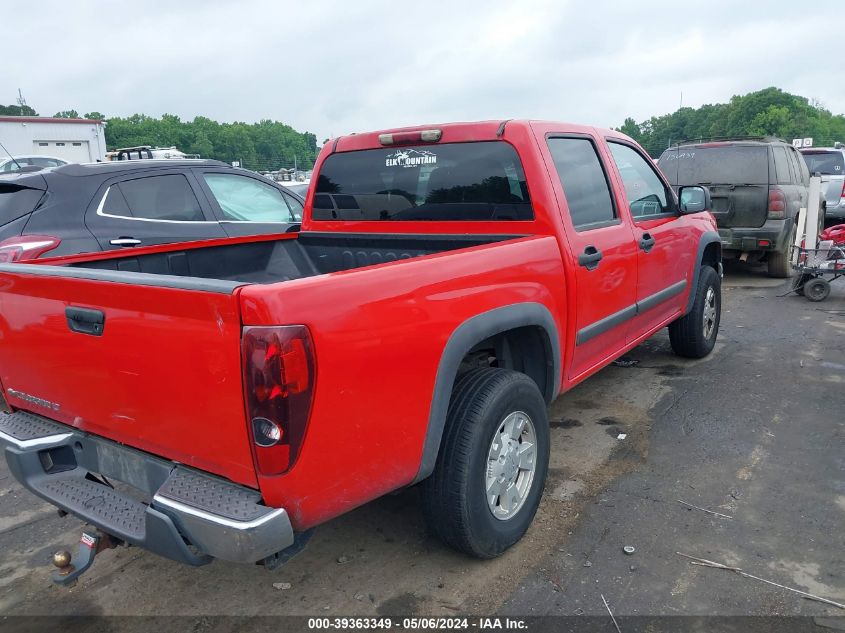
(293, 257)
(137, 346)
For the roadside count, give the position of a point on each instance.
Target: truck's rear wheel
(694, 334)
(492, 464)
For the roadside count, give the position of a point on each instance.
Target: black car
(101, 206)
(757, 187)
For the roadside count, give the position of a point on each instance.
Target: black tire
(687, 333)
(817, 289)
(455, 502)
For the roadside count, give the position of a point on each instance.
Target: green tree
(94, 115)
(67, 114)
(770, 112)
(266, 145)
(16, 110)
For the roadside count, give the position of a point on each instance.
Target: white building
(75, 140)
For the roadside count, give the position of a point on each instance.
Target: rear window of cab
(480, 181)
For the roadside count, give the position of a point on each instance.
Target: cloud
(337, 67)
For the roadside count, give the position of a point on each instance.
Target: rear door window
(480, 181)
(584, 182)
(781, 166)
(161, 198)
(795, 161)
(716, 164)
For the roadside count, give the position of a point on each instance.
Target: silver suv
(830, 163)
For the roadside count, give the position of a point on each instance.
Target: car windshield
(716, 165)
(825, 163)
(18, 163)
(452, 181)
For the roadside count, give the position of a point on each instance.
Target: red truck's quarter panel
(165, 375)
(365, 434)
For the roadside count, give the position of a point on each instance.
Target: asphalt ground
(754, 432)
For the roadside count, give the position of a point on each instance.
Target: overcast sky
(335, 67)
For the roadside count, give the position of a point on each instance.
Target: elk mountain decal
(410, 158)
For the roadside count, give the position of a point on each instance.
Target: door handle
(124, 241)
(646, 242)
(86, 320)
(590, 258)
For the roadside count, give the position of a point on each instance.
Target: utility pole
(21, 101)
(681, 105)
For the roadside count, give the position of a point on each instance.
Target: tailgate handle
(86, 320)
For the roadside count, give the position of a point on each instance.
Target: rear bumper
(174, 511)
(775, 232)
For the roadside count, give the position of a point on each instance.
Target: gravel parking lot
(755, 432)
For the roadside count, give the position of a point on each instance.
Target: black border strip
(607, 323)
(618, 318)
(659, 297)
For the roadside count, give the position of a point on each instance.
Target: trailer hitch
(90, 544)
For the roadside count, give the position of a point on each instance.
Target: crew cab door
(665, 244)
(150, 208)
(602, 246)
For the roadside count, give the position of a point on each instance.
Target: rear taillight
(24, 247)
(777, 204)
(842, 195)
(278, 364)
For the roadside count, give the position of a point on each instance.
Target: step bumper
(167, 508)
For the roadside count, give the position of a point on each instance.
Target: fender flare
(462, 340)
(706, 239)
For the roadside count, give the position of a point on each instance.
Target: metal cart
(817, 268)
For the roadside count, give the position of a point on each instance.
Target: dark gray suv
(101, 206)
(757, 187)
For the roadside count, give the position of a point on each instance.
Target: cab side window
(584, 182)
(646, 193)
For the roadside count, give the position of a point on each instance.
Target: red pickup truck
(448, 282)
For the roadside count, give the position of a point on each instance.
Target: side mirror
(694, 199)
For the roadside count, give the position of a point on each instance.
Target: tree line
(269, 145)
(767, 112)
(264, 146)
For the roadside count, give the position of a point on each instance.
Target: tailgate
(162, 373)
(739, 205)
